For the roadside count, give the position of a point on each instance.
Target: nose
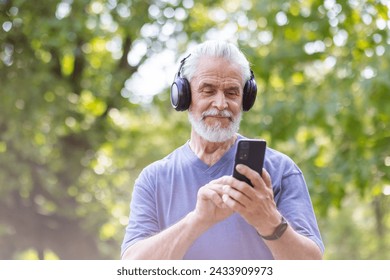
(220, 101)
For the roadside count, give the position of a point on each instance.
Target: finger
(267, 178)
(214, 193)
(240, 197)
(246, 171)
(232, 204)
(252, 175)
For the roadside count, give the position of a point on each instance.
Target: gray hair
(218, 49)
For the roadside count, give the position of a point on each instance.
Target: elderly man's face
(216, 106)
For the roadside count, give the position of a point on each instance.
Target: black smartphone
(249, 152)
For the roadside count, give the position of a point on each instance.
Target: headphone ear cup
(250, 92)
(180, 94)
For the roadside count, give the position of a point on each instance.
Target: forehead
(214, 68)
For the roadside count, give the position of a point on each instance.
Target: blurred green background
(84, 106)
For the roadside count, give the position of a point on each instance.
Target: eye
(208, 90)
(232, 93)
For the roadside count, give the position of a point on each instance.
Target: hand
(256, 205)
(210, 208)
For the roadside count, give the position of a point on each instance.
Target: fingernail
(225, 197)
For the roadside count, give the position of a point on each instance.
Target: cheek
(198, 105)
(195, 112)
(235, 106)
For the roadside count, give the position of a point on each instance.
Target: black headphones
(181, 91)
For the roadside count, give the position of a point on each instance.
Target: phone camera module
(245, 145)
(243, 151)
(243, 155)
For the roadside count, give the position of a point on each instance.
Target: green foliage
(74, 135)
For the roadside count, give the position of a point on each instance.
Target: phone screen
(250, 152)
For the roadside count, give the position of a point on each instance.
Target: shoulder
(280, 163)
(273, 155)
(162, 165)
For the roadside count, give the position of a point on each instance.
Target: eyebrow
(204, 85)
(233, 88)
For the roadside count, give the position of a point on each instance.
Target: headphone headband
(182, 64)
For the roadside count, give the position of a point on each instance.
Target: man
(188, 206)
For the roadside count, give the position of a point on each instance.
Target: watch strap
(280, 229)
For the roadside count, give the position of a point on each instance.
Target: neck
(209, 152)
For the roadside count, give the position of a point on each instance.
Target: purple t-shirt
(166, 191)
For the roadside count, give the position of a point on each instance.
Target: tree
(63, 121)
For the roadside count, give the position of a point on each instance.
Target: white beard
(215, 133)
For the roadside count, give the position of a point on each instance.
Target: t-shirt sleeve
(294, 203)
(143, 218)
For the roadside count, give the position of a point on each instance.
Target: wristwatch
(280, 229)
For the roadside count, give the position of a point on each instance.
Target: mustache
(217, 113)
